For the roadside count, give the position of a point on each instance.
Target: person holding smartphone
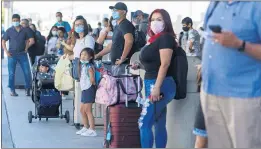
(231, 74)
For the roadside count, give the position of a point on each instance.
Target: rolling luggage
(19, 74)
(121, 129)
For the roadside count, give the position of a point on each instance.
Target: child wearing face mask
(52, 40)
(61, 39)
(87, 83)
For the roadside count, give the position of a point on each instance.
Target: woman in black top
(159, 84)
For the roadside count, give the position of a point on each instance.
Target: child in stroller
(47, 99)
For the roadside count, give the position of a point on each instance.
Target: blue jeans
(22, 59)
(150, 117)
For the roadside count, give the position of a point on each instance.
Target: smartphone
(215, 28)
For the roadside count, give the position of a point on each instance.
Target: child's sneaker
(89, 133)
(83, 130)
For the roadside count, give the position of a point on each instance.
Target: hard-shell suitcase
(121, 129)
(77, 118)
(19, 74)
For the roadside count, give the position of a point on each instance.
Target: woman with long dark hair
(159, 84)
(52, 40)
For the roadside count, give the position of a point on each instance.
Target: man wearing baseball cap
(122, 47)
(141, 19)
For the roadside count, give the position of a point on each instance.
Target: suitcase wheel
(30, 116)
(67, 116)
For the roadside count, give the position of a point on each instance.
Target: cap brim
(111, 7)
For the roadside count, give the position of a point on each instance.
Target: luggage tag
(108, 135)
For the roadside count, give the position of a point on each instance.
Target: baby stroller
(46, 97)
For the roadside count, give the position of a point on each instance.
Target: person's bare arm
(102, 37)
(105, 51)
(68, 46)
(127, 45)
(253, 50)
(29, 43)
(228, 39)
(109, 37)
(165, 60)
(5, 48)
(92, 76)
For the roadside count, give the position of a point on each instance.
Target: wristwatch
(242, 48)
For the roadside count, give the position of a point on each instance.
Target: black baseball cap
(119, 6)
(137, 13)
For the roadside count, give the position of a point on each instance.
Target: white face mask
(54, 33)
(114, 23)
(157, 26)
(58, 19)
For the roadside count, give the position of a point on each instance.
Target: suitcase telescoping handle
(127, 72)
(30, 64)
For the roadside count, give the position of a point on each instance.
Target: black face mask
(185, 28)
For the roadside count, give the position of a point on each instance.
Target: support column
(181, 113)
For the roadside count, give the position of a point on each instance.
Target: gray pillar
(181, 113)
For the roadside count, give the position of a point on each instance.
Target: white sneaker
(84, 129)
(89, 133)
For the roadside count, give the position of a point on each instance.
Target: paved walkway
(55, 133)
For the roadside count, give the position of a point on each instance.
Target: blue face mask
(115, 15)
(15, 24)
(79, 29)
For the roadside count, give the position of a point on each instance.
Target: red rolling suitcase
(121, 128)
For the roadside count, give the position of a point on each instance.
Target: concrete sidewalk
(55, 133)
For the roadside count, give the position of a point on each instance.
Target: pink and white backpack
(113, 90)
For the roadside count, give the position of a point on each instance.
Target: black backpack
(139, 39)
(39, 45)
(179, 66)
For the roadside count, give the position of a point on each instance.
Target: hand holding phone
(215, 28)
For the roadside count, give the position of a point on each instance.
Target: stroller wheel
(30, 116)
(67, 116)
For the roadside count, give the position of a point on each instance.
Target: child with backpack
(87, 84)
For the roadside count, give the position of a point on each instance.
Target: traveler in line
(192, 38)
(52, 40)
(122, 47)
(20, 39)
(156, 59)
(83, 40)
(231, 75)
(96, 32)
(32, 49)
(106, 34)
(141, 21)
(61, 23)
(87, 83)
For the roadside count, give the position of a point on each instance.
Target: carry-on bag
(19, 74)
(112, 90)
(121, 128)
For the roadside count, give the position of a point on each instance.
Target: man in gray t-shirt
(191, 38)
